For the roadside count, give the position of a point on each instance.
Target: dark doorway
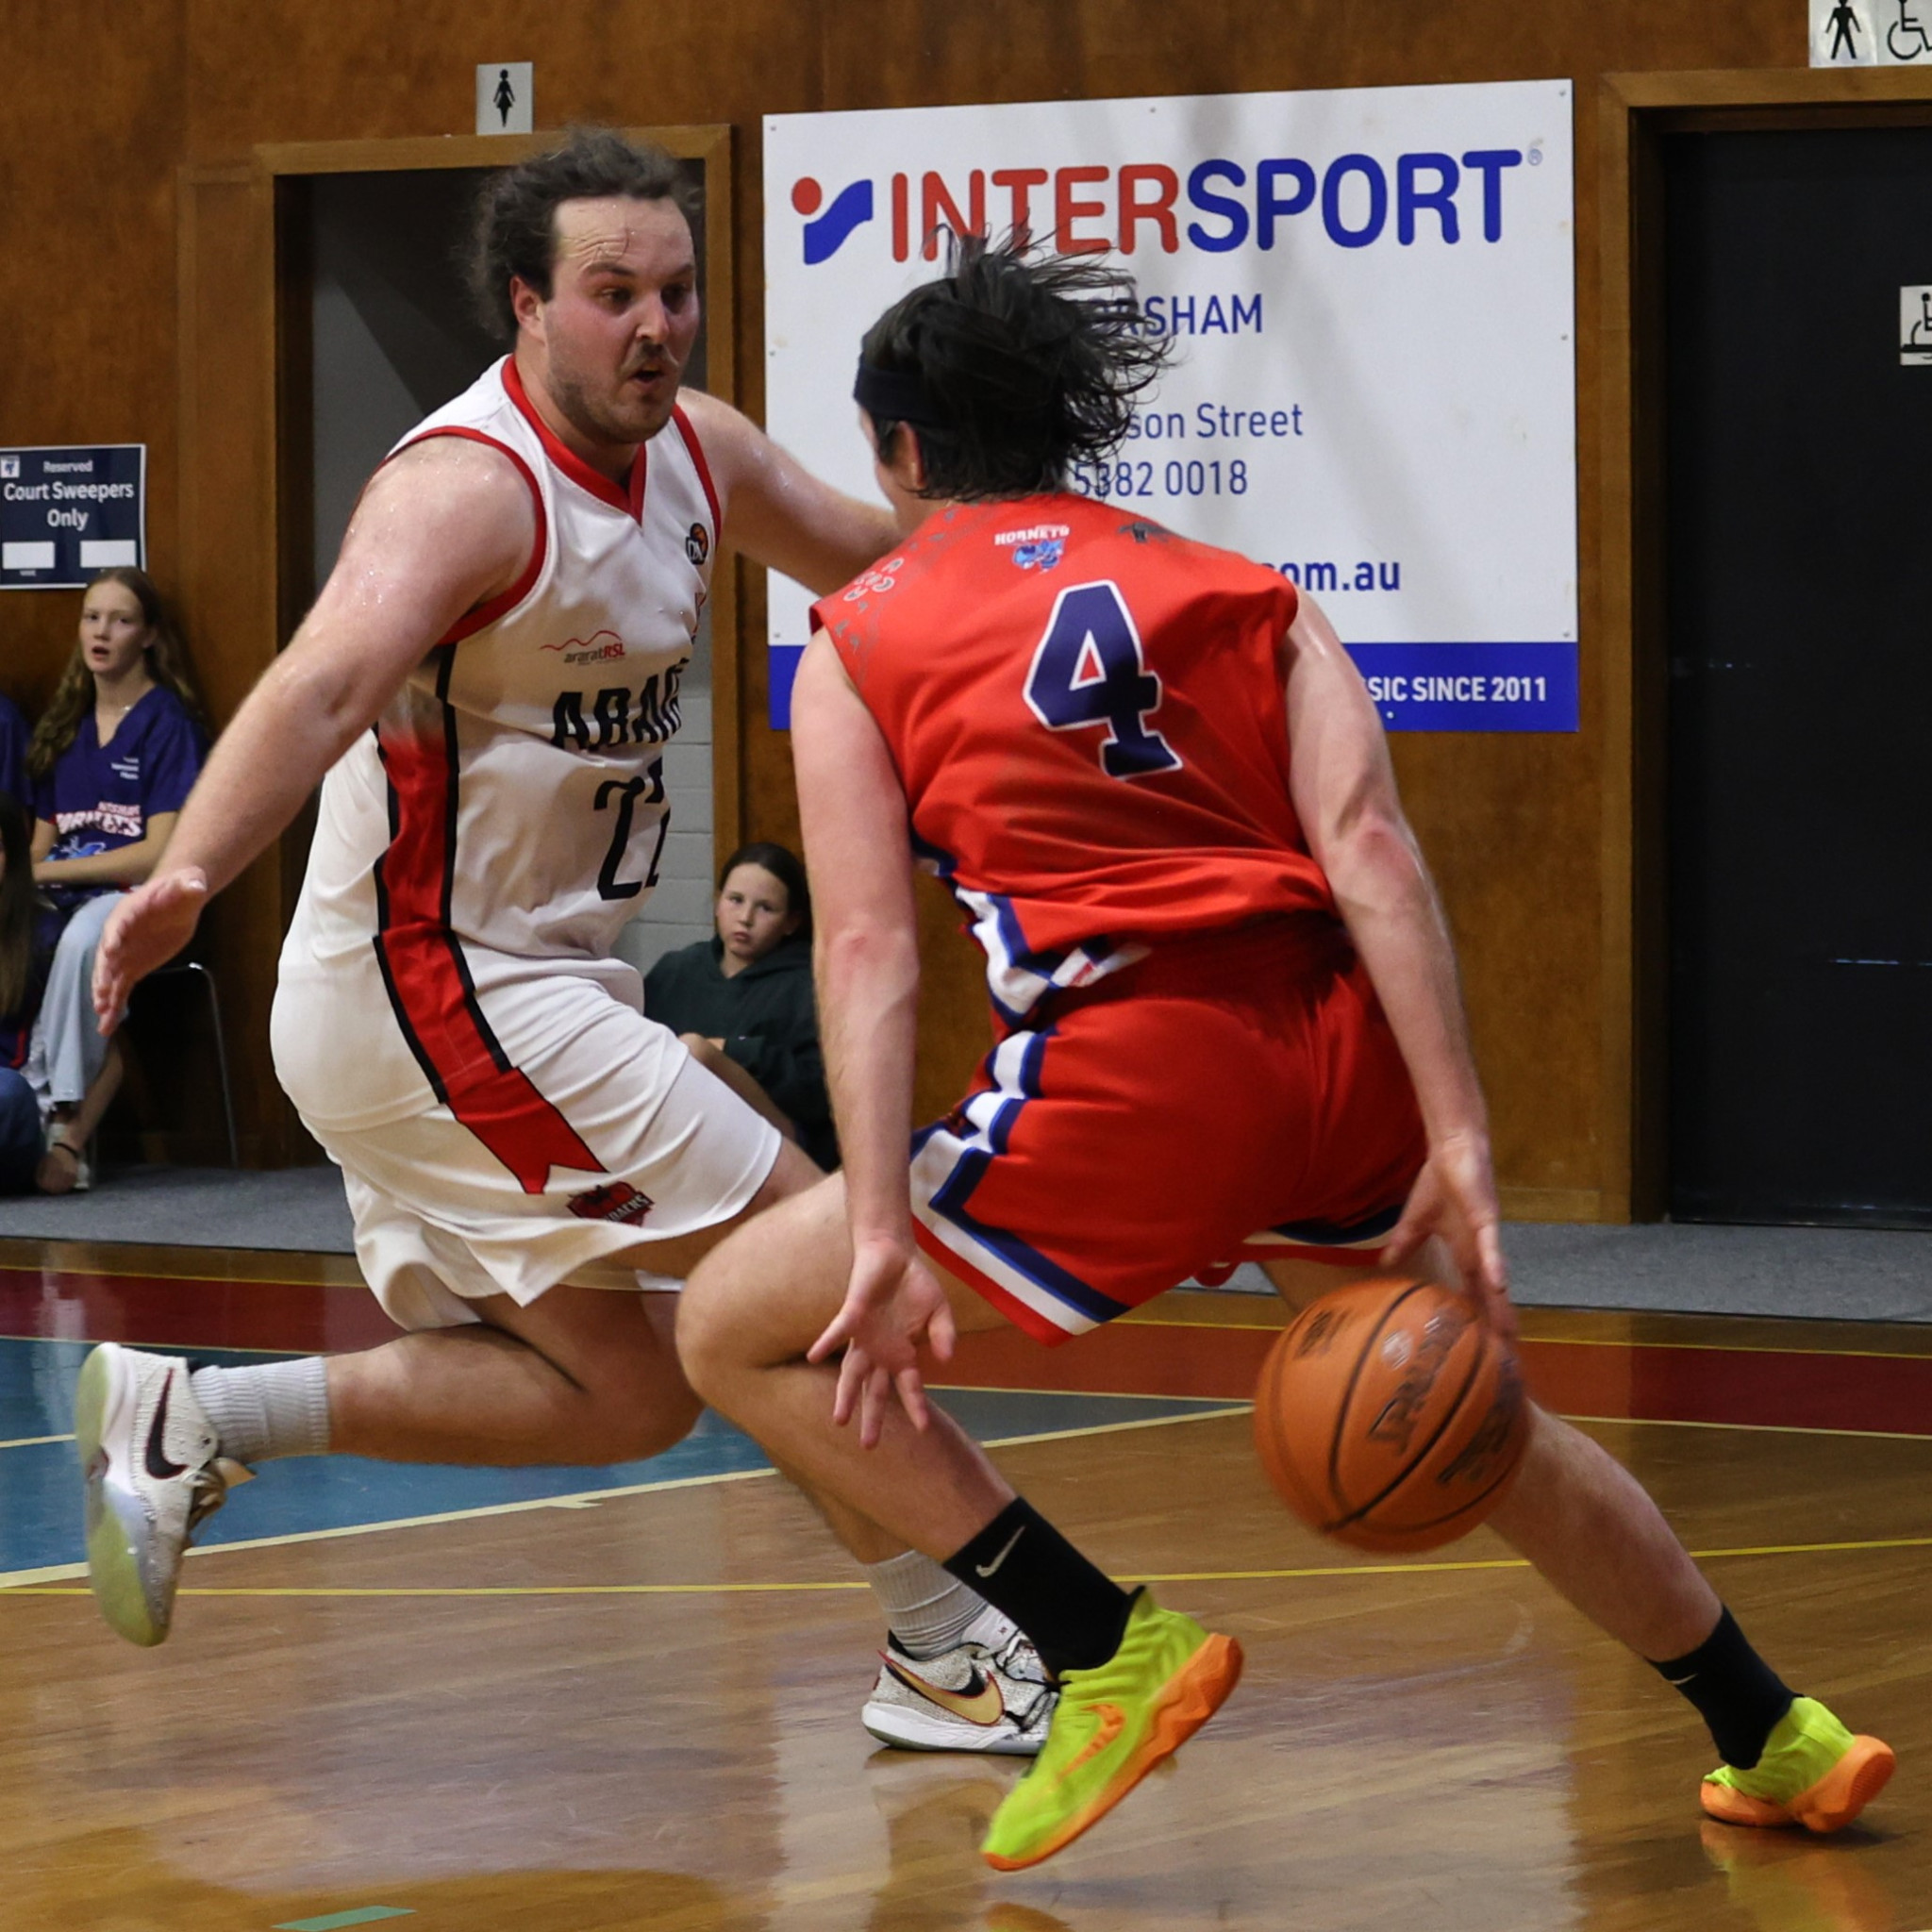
(1799, 585)
(390, 329)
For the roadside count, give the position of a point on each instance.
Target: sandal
(83, 1167)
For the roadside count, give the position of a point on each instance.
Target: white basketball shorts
(610, 1138)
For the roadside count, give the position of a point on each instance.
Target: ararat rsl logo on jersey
(600, 647)
(697, 545)
(1037, 547)
(613, 1201)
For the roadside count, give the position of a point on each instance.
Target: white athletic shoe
(153, 1477)
(988, 1693)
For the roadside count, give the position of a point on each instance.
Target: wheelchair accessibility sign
(1871, 33)
(1915, 326)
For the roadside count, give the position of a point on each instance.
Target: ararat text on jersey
(603, 720)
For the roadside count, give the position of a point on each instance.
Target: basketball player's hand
(1454, 1197)
(892, 1302)
(148, 927)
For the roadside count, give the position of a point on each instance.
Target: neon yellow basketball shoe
(1813, 1773)
(1114, 1723)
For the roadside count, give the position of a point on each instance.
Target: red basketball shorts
(1234, 1093)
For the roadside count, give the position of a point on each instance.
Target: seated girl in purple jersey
(111, 764)
(27, 938)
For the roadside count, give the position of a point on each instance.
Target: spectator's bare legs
(1576, 1512)
(74, 1125)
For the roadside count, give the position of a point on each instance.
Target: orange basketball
(1389, 1416)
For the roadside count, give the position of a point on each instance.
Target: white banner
(1371, 292)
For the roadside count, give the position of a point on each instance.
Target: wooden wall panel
(93, 125)
(1515, 827)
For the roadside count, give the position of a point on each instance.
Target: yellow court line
(254, 1278)
(33, 1441)
(1303, 1574)
(1879, 1355)
(180, 1347)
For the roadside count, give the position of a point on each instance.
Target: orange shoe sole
(1830, 1805)
(1188, 1700)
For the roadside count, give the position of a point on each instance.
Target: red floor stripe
(189, 1314)
(1780, 1388)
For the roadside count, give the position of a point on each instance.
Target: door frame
(1634, 111)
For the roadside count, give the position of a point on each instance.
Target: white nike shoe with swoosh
(988, 1694)
(153, 1477)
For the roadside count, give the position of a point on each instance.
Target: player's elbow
(866, 959)
(1373, 860)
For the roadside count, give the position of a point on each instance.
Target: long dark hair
(16, 904)
(1023, 365)
(786, 867)
(167, 663)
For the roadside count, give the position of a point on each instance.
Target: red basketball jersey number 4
(1089, 670)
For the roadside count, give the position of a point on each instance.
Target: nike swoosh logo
(981, 1704)
(158, 1464)
(1111, 1721)
(987, 1569)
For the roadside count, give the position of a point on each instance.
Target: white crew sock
(269, 1409)
(928, 1609)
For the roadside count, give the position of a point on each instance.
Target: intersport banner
(1370, 293)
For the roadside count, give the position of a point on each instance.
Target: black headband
(893, 395)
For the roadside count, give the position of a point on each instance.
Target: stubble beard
(606, 419)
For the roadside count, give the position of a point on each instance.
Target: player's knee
(641, 1414)
(709, 1340)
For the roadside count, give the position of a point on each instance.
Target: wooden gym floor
(564, 1701)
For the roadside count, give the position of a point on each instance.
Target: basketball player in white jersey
(488, 680)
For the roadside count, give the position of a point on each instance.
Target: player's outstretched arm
(866, 957)
(776, 512)
(441, 529)
(1345, 795)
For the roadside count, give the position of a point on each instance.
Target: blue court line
(39, 1492)
(336, 1922)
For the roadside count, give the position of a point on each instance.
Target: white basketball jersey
(506, 815)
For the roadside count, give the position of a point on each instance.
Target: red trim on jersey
(505, 601)
(628, 499)
(428, 978)
(704, 470)
(983, 1285)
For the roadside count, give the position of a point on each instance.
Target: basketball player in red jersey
(488, 680)
(1227, 1003)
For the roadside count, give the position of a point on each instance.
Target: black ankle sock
(1737, 1693)
(1021, 1564)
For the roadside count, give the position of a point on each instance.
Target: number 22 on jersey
(1089, 670)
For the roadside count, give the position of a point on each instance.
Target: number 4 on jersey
(1089, 670)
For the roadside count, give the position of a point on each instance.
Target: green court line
(334, 1922)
